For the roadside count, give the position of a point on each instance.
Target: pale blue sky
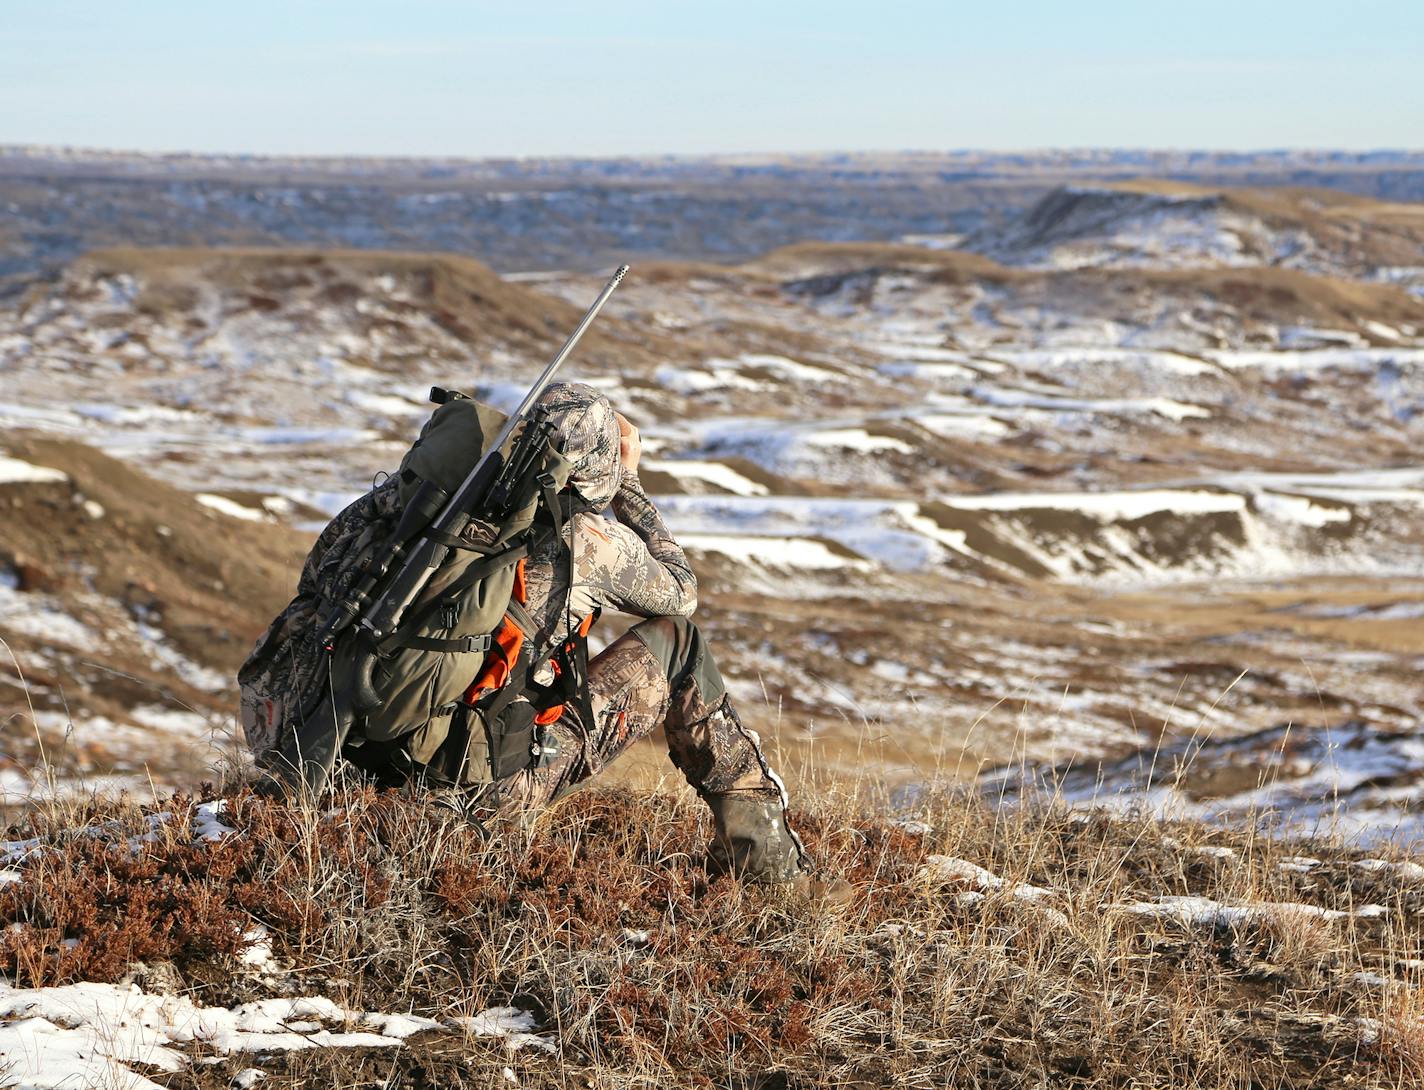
(553, 77)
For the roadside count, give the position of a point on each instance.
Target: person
(554, 719)
(661, 671)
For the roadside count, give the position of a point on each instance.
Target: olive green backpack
(295, 691)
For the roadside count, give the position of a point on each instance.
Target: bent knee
(672, 640)
(680, 648)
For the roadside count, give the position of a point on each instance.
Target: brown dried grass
(384, 902)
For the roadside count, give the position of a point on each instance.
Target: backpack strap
(456, 645)
(552, 503)
(455, 541)
(522, 617)
(561, 508)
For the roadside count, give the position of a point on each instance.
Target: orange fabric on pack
(507, 643)
(521, 588)
(548, 715)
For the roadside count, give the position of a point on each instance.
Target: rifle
(433, 516)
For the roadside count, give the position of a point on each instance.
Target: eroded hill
(946, 512)
(1162, 224)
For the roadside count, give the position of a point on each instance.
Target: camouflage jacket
(632, 565)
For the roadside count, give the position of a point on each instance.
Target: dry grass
(383, 903)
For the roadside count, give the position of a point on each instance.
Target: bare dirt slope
(458, 304)
(129, 605)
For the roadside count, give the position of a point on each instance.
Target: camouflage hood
(590, 439)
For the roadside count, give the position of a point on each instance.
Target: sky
(637, 77)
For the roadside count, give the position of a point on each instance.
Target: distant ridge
(1171, 224)
(524, 214)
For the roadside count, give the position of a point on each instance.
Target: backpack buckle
(441, 396)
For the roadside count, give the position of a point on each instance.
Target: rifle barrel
(558, 361)
(382, 616)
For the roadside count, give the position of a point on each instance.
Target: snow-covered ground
(93, 1035)
(1348, 781)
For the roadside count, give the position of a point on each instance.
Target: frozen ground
(1350, 781)
(95, 1035)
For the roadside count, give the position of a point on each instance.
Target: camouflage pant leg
(706, 739)
(659, 672)
(723, 761)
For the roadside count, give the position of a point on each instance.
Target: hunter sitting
(579, 714)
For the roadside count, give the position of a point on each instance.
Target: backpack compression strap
(472, 575)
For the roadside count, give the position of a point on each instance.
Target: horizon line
(78, 150)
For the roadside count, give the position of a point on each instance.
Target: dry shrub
(93, 901)
(601, 918)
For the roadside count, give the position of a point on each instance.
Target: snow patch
(857, 439)
(774, 552)
(43, 618)
(1205, 912)
(714, 473)
(232, 509)
(89, 1034)
(948, 868)
(1148, 361)
(1106, 506)
(1298, 509)
(14, 471)
(206, 825)
(1319, 359)
(962, 425)
(514, 1025)
(1161, 406)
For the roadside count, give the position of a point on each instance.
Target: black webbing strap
(456, 645)
(495, 703)
(454, 541)
(440, 395)
(552, 504)
(577, 660)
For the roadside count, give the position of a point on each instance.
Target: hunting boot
(752, 841)
(723, 761)
(752, 836)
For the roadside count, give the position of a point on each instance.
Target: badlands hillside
(1176, 225)
(1116, 499)
(949, 513)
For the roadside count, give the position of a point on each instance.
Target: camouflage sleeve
(639, 568)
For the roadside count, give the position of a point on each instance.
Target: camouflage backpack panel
(285, 675)
(420, 688)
